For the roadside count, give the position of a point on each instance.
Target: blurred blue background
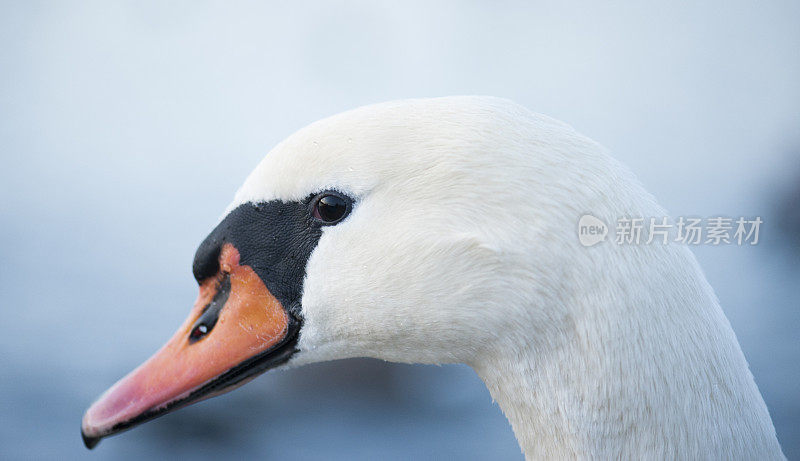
(126, 127)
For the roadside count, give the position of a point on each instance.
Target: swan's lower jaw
(236, 331)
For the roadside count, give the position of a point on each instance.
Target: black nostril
(198, 332)
(203, 325)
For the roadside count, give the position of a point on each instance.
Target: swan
(444, 231)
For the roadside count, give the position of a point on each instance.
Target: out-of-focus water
(127, 126)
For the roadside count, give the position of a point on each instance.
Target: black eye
(330, 207)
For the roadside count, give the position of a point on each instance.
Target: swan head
(424, 231)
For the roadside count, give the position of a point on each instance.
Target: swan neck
(648, 373)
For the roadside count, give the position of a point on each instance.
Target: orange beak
(236, 330)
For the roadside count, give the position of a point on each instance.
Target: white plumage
(462, 247)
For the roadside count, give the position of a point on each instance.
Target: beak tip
(89, 441)
(91, 435)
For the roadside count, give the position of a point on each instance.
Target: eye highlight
(330, 207)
